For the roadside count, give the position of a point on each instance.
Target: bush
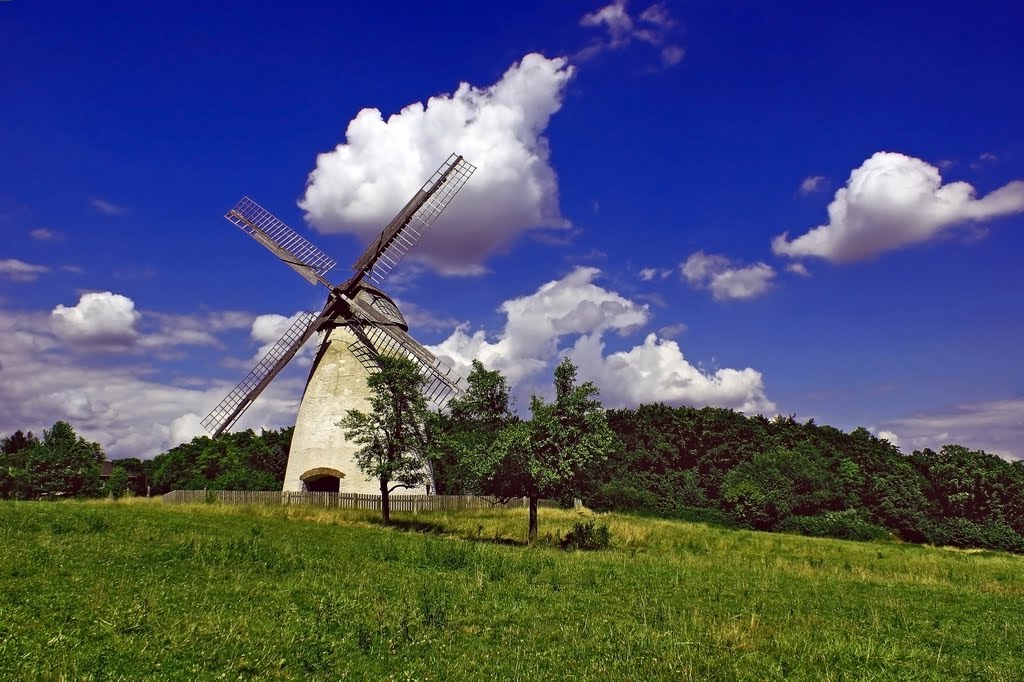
(587, 535)
(960, 532)
(846, 525)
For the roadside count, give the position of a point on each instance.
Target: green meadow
(137, 589)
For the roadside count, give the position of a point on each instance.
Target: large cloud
(574, 306)
(123, 406)
(725, 279)
(893, 201)
(360, 185)
(656, 371)
(996, 426)
(105, 321)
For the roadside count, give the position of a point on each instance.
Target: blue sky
(639, 165)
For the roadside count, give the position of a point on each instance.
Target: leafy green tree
(17, 441)
(467, 429)
(13, 449)
(777, 484)
(235, 461)
(551, 454)
(392, 436)
(117, 483)
(63, 463)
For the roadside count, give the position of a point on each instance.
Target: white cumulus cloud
(360, 185)
(656, 371)
(892, 201)
(726, 280)
(537, 325)
(102, 318)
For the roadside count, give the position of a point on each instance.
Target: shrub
(846, 525)
(587, 535)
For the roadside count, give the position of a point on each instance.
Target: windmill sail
(284, 242)
(378, 336)
(402, 233)
(236, 402)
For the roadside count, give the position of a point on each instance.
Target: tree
(468, 428)
(13, 449)
(63, 463)
(17, 442)
(549, 455)
(117, 484)
(234, 461)
(393, 434)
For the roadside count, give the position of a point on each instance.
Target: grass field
(140, 590)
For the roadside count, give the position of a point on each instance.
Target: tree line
(706, 464)
(62, 464)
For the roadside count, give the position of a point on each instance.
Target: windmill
(358, 323)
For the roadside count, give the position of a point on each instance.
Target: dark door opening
(323, 484)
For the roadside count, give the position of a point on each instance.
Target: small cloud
(143, 273)
(73, 269)
(651, 26)
(672, 55)
(798, 269)
(420, 319)
(812, 183)
(724, 279)
(889, 436)
(983, 159)
(648, 274)
(657, 15)
(553, 237)
(20, 271)
(44, 235)
(107, 208)
(597, 207)
(592, 255)
(671, 331)
(945, 164)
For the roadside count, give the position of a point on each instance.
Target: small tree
(392, 435)
(547, 456)
(117, 484)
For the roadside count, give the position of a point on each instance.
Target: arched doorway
(322, 480)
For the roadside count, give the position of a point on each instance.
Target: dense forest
(709, 464)
(781, 474)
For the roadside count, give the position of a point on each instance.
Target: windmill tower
(358, 323)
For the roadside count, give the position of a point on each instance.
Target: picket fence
(399, 503)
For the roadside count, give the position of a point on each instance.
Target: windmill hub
(360, 323)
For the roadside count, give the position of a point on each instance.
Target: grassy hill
(135, 590)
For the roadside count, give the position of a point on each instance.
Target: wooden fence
(399, 503)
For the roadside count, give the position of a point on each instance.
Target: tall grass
(134, 590)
